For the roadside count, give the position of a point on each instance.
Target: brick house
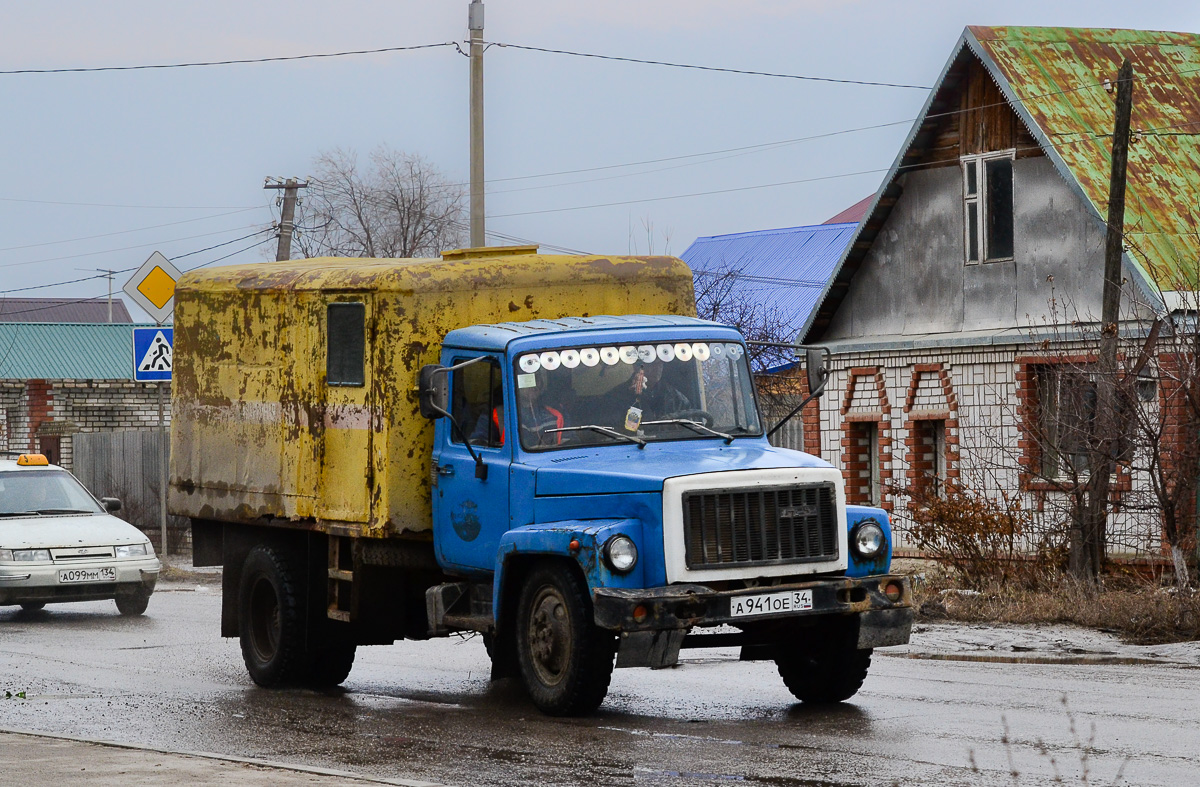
(57, 380)
(969, 288)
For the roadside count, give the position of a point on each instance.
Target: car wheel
(331, 666)
(565, 660)
(271, 618)
(133, 604)
(825, 667)
(33, 606)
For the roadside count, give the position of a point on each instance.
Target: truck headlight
(132, 550)
(29, 555)
(867, 539)
(620, 553)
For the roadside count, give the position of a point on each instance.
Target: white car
(58, 543)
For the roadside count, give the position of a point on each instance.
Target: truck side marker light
(574, 545)
(640, 613)
(893, 591)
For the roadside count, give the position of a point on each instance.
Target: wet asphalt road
(428, 711)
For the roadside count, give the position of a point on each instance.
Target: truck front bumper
(652, 622)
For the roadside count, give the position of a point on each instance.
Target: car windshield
(603, 395)
(44, 491)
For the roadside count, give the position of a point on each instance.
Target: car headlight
(26, 555)
(867, 539)
(132, 550)
(621, 554)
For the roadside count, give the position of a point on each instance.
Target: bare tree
(399, 206)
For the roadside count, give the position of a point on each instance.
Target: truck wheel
(564, 659)
(33, 606)
(271, 618)
(331, 666)
(823, 669)
(133, 604)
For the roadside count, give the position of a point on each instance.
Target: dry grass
(1141, 614)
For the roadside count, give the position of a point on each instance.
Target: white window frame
(977, 164)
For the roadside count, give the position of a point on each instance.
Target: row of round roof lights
(645, 353)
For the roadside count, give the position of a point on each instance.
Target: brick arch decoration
(917, 463)
(866, 382)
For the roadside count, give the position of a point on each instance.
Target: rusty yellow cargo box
(293, 399)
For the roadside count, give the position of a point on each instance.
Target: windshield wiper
(17, 513)
(62, 511)
(695, 426)
(604, 430)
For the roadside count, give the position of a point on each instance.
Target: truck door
(347, 435)
(471, 513)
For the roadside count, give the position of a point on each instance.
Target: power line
(243, 61)
(135, 267)
(1083, 137)
(110, 205)
(125, 232)
(705, 68)
(123, 248)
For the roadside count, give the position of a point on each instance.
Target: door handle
(445, 469)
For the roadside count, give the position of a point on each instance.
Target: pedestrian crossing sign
(152, 351)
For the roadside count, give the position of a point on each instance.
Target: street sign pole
(153, 288)
(166, 473)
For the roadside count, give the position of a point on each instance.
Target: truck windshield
(604, 395)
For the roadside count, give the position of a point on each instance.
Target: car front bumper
(653, 622)
(22, 583)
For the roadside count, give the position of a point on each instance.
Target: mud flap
(653, 649)
(879, 628)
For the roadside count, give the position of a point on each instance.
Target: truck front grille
(760, 526)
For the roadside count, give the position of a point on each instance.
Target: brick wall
(62, 408)
(979, 395)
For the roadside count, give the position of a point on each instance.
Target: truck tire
(565, 660)
(824, 668)
(33, 606)
(271, 618)
(331, 666)
(131, 605)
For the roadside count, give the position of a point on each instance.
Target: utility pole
(475, 25)
(108, 275)
(1087, 557)
(287, 215)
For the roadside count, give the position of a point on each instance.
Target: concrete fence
(131, 465)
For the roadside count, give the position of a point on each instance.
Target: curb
(285, 766)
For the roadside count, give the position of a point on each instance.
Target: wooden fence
(131, 466)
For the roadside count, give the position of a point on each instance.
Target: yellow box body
(257, 436)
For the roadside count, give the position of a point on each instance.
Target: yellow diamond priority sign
(153, 287)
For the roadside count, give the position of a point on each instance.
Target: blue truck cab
(604, 493)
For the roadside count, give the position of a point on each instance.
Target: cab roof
(497, 336)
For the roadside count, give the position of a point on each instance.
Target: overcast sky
(98, 170)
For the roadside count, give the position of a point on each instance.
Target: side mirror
(817, 366)
(111, 504)
(434, 391)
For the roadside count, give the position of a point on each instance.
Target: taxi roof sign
(153, 287)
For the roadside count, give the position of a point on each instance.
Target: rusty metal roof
(1054, 79)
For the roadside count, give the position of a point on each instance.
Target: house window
(1065, 415)
(988, 207)
(345, 344)
(929, 455)
(862, 464)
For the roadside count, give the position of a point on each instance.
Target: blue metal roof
(67, 351)
(497, 336)
(782, 270)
